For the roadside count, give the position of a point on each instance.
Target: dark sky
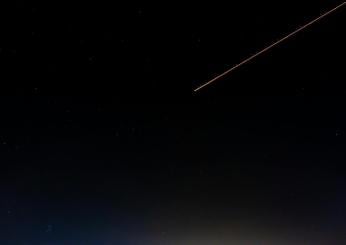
(103, 142)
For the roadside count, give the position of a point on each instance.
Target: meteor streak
(270, 47)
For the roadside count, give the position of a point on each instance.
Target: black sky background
(104, 142)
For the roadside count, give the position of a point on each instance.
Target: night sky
(104, 142)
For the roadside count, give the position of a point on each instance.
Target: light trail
(269, 47)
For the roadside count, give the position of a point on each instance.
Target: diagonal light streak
(270, 47)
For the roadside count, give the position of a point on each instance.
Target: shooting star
(270, 47)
